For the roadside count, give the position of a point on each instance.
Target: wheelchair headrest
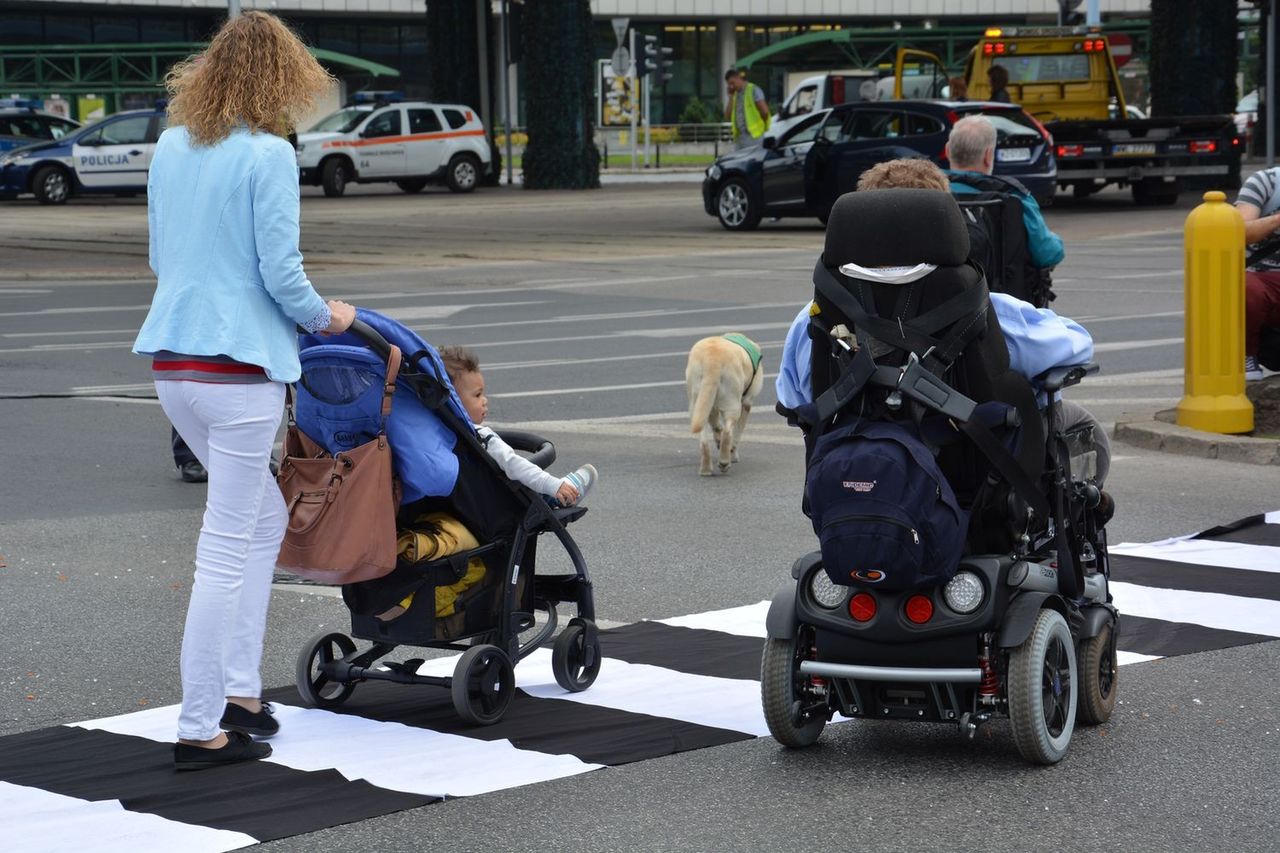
(899, 227)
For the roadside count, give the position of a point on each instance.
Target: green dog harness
(753, 351)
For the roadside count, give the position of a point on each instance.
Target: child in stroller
(483, 550)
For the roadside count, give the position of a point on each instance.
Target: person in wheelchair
(1037, 338)
(1005, 223)
(963, 569)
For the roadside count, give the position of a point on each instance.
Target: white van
(412, 143)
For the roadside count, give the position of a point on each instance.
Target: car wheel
(463, 173)
(334, 177)
(52, 185)
(735, 208)
(412, 185)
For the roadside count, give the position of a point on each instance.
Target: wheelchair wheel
(1099, 677)
(1043, 690)
(569, 656)
(780, 692)
(317, 689)
(483, 684)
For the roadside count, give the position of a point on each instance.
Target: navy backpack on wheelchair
(963, 569)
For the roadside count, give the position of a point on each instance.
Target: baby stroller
(1020, 622)
(444, 473)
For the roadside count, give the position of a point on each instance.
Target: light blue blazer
(224, 247)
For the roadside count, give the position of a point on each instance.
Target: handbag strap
(389, 384)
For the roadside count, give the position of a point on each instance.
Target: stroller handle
(371, 336)
(544, 452)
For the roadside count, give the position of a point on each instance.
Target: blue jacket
(224, 247)
(1045, 246)
(1037, 340)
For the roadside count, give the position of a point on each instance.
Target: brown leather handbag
(342, 509)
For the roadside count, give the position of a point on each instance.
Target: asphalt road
(582, 307)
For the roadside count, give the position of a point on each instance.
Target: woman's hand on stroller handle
(342, 317)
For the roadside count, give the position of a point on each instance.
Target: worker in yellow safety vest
(746, 109)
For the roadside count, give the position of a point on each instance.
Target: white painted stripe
(560, 362)
(1210, 609)
(72, 347)
(1156, 274)
(635, 315)
(1123, 658)
(389, 755)
(440, 311)
(725, 703)
(692, 331)
(745, 621)
(594, 389)
(1272, 517)
(54, 823)
(1121, 346)
(1207, 553)
(1101, 319)
(69, 334)
(88, 309)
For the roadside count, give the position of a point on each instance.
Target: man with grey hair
(971, 150)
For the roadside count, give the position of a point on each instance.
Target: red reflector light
(1000, 47)
(919, 609)
(988, 49)
(1204, 146)
(862, 607)
(1070, 150)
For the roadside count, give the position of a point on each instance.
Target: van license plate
(1131, 149)
(1013, 155)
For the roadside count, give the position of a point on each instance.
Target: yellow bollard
(1214, 399)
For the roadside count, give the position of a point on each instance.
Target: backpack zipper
(915, 537)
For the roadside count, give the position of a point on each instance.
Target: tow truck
(1065, 77)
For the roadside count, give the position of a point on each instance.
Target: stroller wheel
(574, 664)
(318, 688)
(1043, 690)
(1099, 677)
(483, 683)
(780, 679)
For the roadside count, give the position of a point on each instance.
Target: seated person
(464, 372)
(1259, 204)
(1037, 338)
(971, 150)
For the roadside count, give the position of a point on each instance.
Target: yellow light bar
(994, 32)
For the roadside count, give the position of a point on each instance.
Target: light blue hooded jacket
(224, 247)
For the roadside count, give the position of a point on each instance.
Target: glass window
(22, 28)
(803, 101)
(919, 125)
(60, 127)
(1011, 122)
(68, 29)
(1028, 68)
(805, 131)
(27, 125)
(343, 121)
(455, 118)
(126, 131)
(425, 121)
(109, 29)
(385, 123)
(162, 30)
(874, 124)
(344, 38)
(380, 43)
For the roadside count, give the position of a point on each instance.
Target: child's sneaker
(1252, 371)
(582, 479)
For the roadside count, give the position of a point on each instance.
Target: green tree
(559, 76)
(696, 111)
(1194, 56)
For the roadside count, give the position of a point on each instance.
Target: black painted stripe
(258, 798)
(1169, 639)
(1253, 530)
(691, 650)
(592, 733)
(1192, 577)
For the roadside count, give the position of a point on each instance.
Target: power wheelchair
(1025, 627)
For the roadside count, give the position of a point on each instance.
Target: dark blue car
(820, 158)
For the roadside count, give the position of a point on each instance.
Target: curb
(1155, 430)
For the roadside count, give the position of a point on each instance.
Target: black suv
(817, 160)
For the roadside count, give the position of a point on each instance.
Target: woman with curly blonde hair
(223, 206)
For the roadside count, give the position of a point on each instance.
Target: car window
(343, 121)
(455, 118)
(804, 101)
(424, 121)
(874, 124)
(26, 126)
(59, 127)
(385, 123)
(918, 124)
(1011, 123)
(805, 131)
(1029, 68)
(126, 131)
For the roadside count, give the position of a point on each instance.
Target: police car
(379, 137)
(109, 156)
(22, 123)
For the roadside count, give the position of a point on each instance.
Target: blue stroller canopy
(339, 401)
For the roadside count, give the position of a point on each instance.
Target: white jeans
(231, 429)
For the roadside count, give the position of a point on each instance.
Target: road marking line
(1120, 346)
(594, 389)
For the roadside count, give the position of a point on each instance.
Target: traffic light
(655, 59)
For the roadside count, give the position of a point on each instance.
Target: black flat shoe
(193, 472)
(240, 747)
(261, 724)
